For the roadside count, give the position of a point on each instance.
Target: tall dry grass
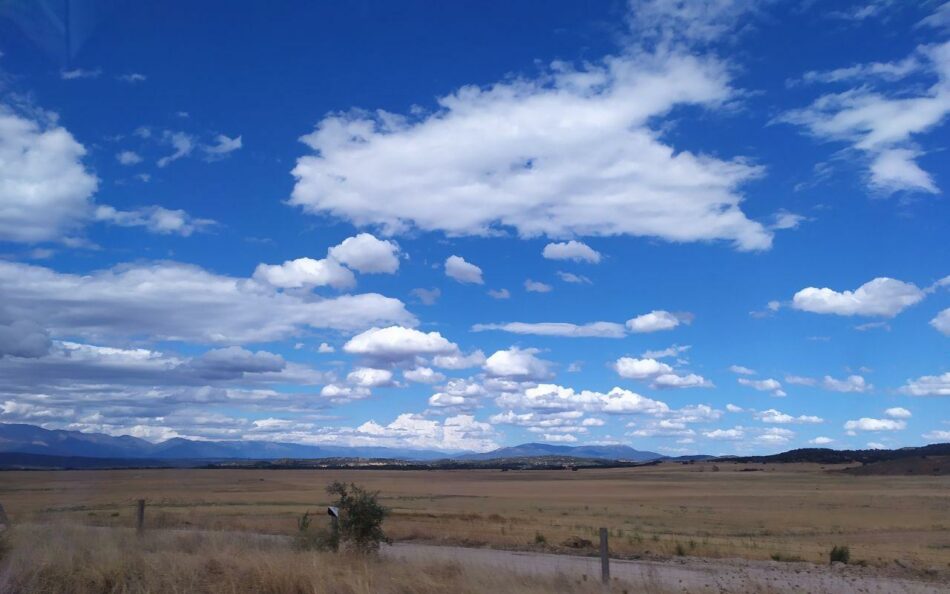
(55, 559)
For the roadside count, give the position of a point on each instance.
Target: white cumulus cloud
(572, 152)
(396, 343)
(884, 297)
(367, 255)
(571, 250)
(632, 368)
(656, 321)
(45, 190)
(928, 385)
(464, 272)
(867, 424)
(517, 363)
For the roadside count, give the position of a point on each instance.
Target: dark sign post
(140, 516)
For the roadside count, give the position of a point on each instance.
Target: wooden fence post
(140, 516)
(604, 557)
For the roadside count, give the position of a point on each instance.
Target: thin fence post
(4, 520)
(604, 557)
(140, 516)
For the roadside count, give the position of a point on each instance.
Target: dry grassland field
(784, 512)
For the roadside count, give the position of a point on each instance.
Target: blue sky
(714, 227)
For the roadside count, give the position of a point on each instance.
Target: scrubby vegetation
(360, 524)
(840, 554)
(53, 559)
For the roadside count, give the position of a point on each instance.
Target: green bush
(840, 554)
(360, 526)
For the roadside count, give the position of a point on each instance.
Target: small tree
(360, 526)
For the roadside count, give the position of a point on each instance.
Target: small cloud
(570, 277)
(128, 158)
(898, 413)
(223, 145)
(325, 348)
(464, 272)
(132, 77)
(571, 250)
(873, 326)
(673, 351)
(658, 320)
(78, 73)
(182, 144)
(786, 220)
(499, 293)
(536, 287)
(427, 296)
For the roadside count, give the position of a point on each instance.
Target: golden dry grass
(54, 559)
(793, 511)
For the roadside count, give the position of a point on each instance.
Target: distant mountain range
(607, 452)
(29, 439)
(27, 446)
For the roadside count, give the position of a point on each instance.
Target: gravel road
(691, 575)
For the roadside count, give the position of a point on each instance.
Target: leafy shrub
(360, 526)
(839, 554)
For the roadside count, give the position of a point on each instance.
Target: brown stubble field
(789, 511)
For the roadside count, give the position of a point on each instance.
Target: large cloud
(552, 397)
(367, 255)
(884, 297)
(398, 343)
(519, 364)
(23, 338)
(115, 389)
(306, 272)
(172, 301)
(883, 123)
(572, 152)
(45, 191)
(234, 362)
(928, 385)
(363, 253)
